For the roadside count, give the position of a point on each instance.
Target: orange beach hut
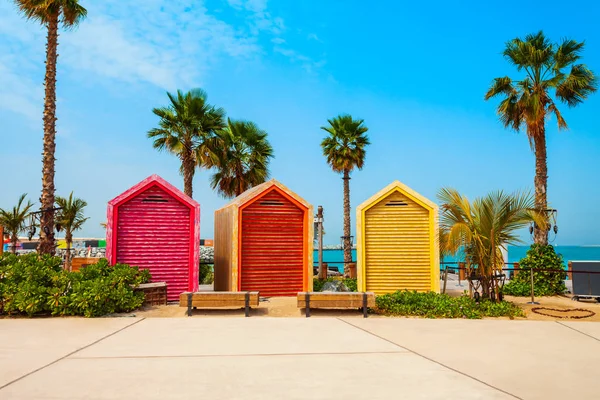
(264, 242)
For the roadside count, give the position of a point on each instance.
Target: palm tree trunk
(47, 199)
(69, 240)
(240, 181)
(13, 241)
(189, 168)
(347, 245)
(540, 236)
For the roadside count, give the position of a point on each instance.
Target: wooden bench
(360, 300)
(213, 300)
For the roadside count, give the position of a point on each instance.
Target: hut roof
(256, 191)
(153, 180)
(398, 186)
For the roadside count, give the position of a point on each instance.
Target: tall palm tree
(50, 14)
(344, 149)
(549, 68)
(187, 126)
(482, 228)
(71, 219)
(243, 159)
(14, 220)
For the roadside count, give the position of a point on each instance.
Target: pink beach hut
(155, 226)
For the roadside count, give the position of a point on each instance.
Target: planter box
(156, 293)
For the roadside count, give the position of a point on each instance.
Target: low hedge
(33, 285)
(434, 305)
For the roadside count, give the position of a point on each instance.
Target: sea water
(335, 257)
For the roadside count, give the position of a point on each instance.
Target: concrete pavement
(297, 358)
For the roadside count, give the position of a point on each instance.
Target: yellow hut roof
(398, 186)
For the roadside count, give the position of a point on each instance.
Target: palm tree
(71, 218)
(549, 69)
(344, 149)
(186, 129)
(482, 228)
(243, 159)
(50, 13)
(14, 220)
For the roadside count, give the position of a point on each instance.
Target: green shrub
(546, 283)
(434, 305)
(207, 274)
(349, 282)
(32, 284)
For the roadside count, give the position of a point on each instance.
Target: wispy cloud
(315, 37)
(307, 63)
(257, 14)
(168, 44)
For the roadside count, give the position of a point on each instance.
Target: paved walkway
(297, 358)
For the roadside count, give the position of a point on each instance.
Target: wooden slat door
(397, 246)
(153, 232)
(272, 246)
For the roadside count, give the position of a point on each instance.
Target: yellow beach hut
(397, 246)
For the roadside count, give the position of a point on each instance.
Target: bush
(349, 282)
(32, 284)
(546, 283)
(207, 274)
(434, 305)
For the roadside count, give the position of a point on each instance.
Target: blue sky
(416, 73)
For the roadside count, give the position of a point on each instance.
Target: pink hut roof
(154, 180)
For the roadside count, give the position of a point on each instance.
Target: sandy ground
(268, 307)
(286, 307)
(559, 303)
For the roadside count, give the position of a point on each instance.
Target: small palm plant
(243, 159)
(344, 149)
(481, 229)
(50, 14)
(186, 129)
(14, 221)
(71, 219)
(548, 68)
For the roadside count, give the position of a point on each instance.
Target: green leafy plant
(546, 283)
(434, 305)
(482, 227)
(33, 284)
(349, 282)
(207, 274)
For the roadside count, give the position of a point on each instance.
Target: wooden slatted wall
(397, 245)
(153, 232)
(272, 246)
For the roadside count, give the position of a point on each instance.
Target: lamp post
(35, 219)
(319, 221)
(551, 216)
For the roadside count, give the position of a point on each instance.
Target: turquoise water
(515, 253)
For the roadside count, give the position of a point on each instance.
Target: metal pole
(532, 291)
(320, 227)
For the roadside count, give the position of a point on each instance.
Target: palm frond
(345, 146)
(240, 154)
